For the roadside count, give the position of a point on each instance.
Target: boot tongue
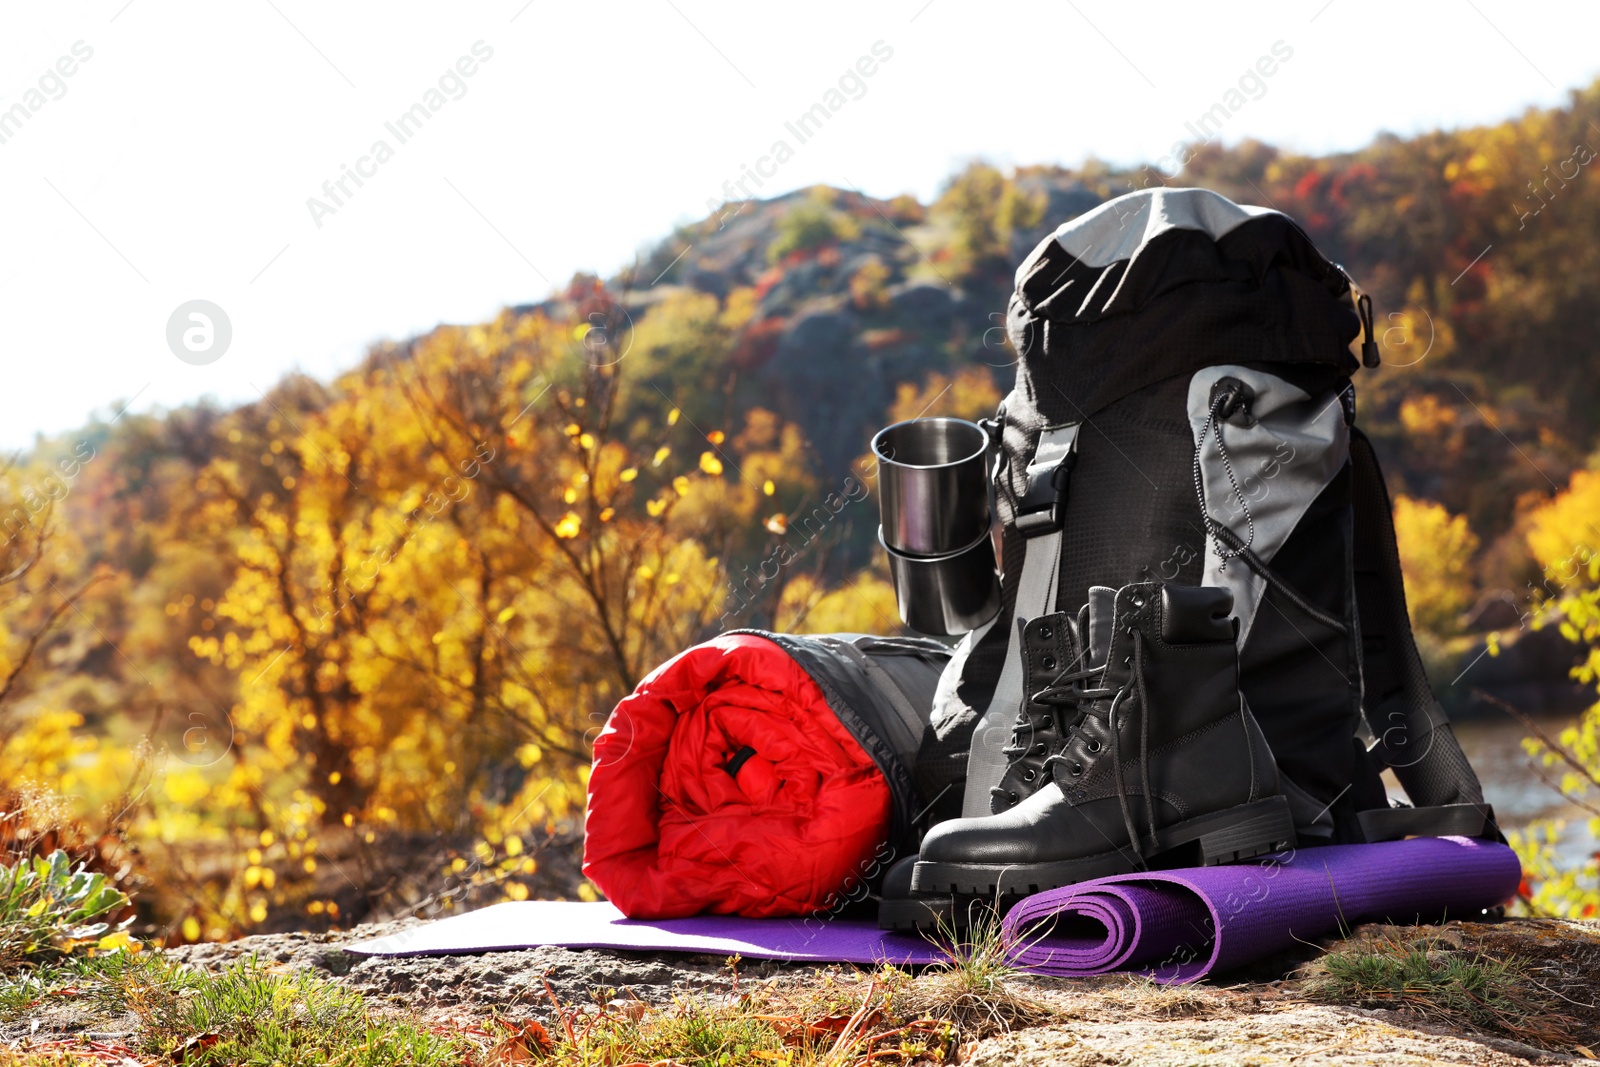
(1102, 602)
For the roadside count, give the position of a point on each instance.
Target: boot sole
(922, 914)
(1226, 836)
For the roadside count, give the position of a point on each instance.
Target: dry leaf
(197, 1043)
(524, 1044)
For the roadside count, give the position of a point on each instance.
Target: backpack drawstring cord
(1213, 426)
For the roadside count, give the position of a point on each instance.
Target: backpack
(1184, 412)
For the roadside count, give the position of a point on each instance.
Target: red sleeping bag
(726, 784)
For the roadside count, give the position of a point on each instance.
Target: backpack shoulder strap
(1413, 734)
(1038, 518)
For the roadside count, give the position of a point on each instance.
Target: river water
(1494, 748)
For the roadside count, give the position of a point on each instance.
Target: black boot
(1056, 691)
(901, 909)
(1166, 721)
(1053, 665)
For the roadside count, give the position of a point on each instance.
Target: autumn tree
(1564, 537)
(983, 208)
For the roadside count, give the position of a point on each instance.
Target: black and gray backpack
(1184, 412)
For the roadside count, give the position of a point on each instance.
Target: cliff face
(851, 300)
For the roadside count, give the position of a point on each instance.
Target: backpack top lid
(1164, 281)
(1116, 229)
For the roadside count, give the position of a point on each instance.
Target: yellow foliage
(971, 394)
(1564, 534)
(869, 285)
(185, 787)
(1436, 550)
(740, 308)
(1424, 415)
(864, 603)
(47, 747)
(983, 208)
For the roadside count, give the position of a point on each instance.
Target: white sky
(178, 162)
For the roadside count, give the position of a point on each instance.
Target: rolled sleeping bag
(760, 775)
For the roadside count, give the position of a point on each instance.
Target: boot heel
(1251, 830)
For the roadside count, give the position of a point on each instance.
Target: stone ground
(1258, 1017)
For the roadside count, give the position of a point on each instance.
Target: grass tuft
(975, 987)
(1143, 997)
(242, 1014)
(248, 1014)
(1436, 982)
(832, 1024)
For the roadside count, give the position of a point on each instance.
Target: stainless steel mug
(946, 594)
(933, 486)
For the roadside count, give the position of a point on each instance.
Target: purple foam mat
(571, 924)
(1176, 926)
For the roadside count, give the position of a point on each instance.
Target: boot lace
(1067, 691)
(1116, 716)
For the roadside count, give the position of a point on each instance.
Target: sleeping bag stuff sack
(761, 775)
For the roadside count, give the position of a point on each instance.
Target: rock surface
(502, 982)
(1260, 1016)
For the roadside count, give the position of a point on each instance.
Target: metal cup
(947, 594)
(933, 485)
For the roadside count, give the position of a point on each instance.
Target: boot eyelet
(1127, 661)
(1014, 799)
(1092, 745)
(1077, 769)
(1045, 633)
(1038, 750)
(1028, 775)
(1048, 663)
(1138, 602)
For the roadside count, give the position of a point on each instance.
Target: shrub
(808, 226)
(51, 907)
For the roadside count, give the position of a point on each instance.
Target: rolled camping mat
(1177, 926)
(574, 924)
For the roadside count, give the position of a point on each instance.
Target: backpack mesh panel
(1132, 515)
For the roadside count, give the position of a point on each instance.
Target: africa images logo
(199, 332)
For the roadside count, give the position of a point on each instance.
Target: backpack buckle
(1042, 506)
